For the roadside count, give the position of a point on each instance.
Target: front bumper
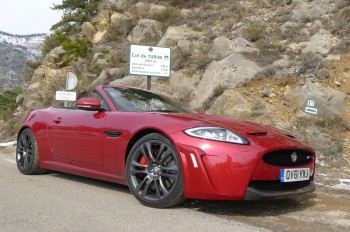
(259, 194)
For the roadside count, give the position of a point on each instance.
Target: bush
(8, 102)
(254, 32)
(119, 32)
(309, 62)
(342, 26)
(169, 16)
(54, 40)
(77, 48)
(219, 90)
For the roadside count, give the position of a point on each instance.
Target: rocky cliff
(282, 63)
(15, 50)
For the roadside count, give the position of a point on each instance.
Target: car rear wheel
(27, 155)
(154, 172)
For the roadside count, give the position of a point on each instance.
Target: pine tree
(75, 13)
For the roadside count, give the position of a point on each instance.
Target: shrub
(255, 32)
(219, 90)
(268, 53)
(309, 62)
(77, 48)
(119, 32)
(169, 16)
(8, 102)
(342, 23)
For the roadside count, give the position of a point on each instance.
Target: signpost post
(71, 83)
(150, 61)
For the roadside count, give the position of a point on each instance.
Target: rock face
(147, 30)
(311, 99)
(15, 50)
(227, 73)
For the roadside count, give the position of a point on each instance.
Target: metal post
(149, 79)
(65, 88)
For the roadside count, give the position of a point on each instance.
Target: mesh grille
(289, 157)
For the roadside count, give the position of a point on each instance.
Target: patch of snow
(30, 44)
(344, 185)
(8, 144)
(321, 174)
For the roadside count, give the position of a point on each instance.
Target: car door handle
(57, 120)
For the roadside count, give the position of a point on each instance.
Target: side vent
(257, 134)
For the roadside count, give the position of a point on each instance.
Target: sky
(23, 17)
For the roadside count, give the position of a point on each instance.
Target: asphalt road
(62, 202)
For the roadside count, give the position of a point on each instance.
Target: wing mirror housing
(89, 104)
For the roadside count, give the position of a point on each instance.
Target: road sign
(150, 61)
(66, 96)
(311, 107)
(71, 81)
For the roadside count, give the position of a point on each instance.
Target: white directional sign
(149, 61)
(66, 96)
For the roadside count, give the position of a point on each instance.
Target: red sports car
(163, 151)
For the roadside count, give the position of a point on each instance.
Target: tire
(154, 172)
(27, 155)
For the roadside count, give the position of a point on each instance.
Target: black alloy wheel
(27, 155)
(154, 172)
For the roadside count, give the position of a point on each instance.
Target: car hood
(252, 131)
(239, 126)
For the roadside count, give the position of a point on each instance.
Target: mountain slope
(15, 50)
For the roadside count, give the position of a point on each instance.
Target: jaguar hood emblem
(294, 157)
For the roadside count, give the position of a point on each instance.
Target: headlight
(216, 133)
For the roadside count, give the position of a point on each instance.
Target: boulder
(55, 58)
(120, 22)
(119, 5)
(156, 9)
(312, 99)
(184, 47)
(176, 33)
(88, 30)
(47, 74)
(20, 99)
(319, 43)
(106, 76)
(186, 13)
(229, 72)
(231, 104)
(241, 45)
(146, 31)
(182, 85)
(100, 37)
(142, 8)
(220, 48)
(130, 80)
(305, 11)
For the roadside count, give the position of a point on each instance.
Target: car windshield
(126, 99)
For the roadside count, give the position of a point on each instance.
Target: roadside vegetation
(8, 102)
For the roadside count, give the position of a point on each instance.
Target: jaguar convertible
(164, 151)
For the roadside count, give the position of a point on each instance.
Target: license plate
(295, 174)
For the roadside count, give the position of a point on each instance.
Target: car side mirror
(89, 104)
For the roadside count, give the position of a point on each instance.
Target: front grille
(276, 185)
(289, 157)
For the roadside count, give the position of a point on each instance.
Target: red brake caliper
(143, 161)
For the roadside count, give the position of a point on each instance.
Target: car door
(76, 135)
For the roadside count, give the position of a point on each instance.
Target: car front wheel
(154, 172)
(27, 155)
